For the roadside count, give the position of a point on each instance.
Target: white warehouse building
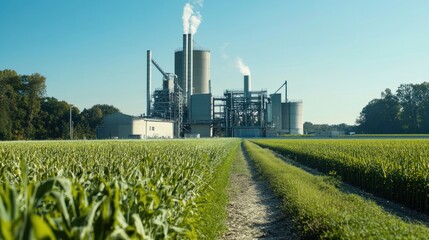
(122, 126)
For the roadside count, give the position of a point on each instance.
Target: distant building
(122, 126)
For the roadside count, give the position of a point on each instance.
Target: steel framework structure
(169, 104)
(237, 110)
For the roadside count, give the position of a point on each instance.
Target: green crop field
(320, 210)
(394, 169)
(177, 188)
(111, 189)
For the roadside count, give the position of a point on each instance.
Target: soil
(254, 211)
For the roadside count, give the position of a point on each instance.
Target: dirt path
(254, 211)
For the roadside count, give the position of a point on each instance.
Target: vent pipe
(149, 83)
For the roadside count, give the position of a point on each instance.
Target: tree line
(312, 128)
(406, 111)
(27, 114)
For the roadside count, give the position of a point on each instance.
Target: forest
(403, 112)
(27, 114)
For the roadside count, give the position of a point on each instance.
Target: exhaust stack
(190, 72)
(247, 86)
(185, 65)
(149, 83)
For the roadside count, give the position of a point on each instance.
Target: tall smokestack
(185, 64)
(149, 82)
(247, 86)
(190, 69)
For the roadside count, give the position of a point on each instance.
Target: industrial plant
(185, 103)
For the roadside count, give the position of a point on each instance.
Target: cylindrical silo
(296, 123)
(292, 117)
(201, 70)
(276, 111)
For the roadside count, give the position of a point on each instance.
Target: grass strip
(320, 211)
(212, 218)
(397, 170)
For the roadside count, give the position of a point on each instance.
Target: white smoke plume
(191, 20)
(245, 70)
(195, 21)
(188, 11)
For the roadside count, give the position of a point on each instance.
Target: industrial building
(186, 100)
(122, 126)
(185, 106)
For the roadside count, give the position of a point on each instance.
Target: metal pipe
(149, 83)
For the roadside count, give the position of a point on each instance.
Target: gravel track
(254, 212)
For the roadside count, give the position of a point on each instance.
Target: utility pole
(71, 122)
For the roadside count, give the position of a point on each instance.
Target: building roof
(123, 115)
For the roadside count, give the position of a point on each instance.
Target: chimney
(190, 73)
(149, 83)
(185, 65)
(247, 86)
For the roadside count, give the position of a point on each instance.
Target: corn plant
(394, 169)
(106, 189)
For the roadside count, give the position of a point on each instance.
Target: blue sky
(336, 55)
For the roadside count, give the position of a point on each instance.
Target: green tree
(34, 86)
(20, 103)
(91, 118)
(26, 114)
(8, 78)
(414, 99)
(381, 115)
(53, 119)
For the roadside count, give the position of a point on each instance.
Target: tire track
(254, 212)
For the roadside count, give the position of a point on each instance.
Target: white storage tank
(293, 122)
(200, 72)
(276, 111)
